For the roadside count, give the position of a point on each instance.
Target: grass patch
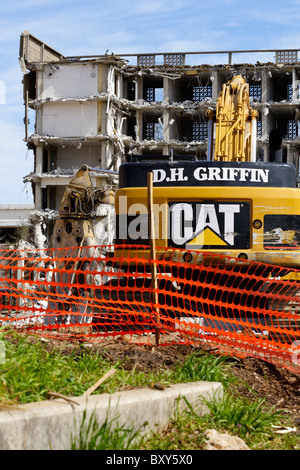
(243, 417)
(251, 421)
(204, 366)
(109, 435)
(30, 371)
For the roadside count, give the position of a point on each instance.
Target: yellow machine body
(279, 246)
(230, 204)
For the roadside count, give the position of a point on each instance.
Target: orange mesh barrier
(239, 307)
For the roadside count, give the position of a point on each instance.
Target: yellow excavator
(231, 203)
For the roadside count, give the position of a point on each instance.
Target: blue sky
(89, 27)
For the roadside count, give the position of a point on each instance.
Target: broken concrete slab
(53, 424)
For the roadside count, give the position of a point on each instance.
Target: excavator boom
(235, 138)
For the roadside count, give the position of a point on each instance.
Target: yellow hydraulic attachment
(235, 138)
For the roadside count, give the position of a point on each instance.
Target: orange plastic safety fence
(240, 307)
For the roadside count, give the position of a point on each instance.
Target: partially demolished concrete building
(96, 110)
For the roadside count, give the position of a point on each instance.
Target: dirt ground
(278, 386)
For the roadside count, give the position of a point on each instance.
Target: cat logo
(210, 225)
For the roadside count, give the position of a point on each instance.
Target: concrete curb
(51, 424)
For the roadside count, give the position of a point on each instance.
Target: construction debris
(222, 441)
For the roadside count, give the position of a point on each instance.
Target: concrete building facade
(101, 110)
(14, 222)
